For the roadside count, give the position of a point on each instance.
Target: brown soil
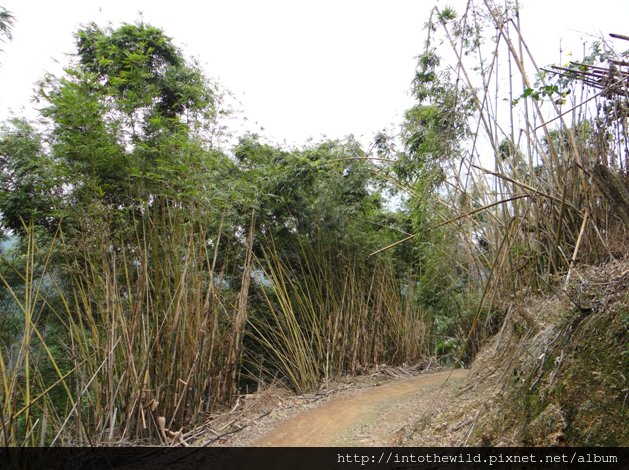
(373, 415)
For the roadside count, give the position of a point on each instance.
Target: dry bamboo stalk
(576, 250)
(619, 36)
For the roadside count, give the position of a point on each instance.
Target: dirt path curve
(340, 421)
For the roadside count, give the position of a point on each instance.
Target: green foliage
(125, 167)
(452, 259)
(142, 69)
(447, 14)
(433, 129)
(126, 118)
(544, 91)
(132, 122)
(29, 187)
(322, 191)
(131, 222)
(7, 21)
(33, 372)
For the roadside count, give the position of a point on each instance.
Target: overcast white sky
(301, 68)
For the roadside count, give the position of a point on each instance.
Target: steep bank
(555, 375)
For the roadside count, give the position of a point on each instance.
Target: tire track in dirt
(323, 426)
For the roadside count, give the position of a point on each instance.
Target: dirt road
(371, 418)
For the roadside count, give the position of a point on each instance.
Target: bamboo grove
(160, 263)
